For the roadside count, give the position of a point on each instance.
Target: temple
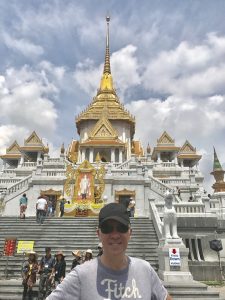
(106, 164)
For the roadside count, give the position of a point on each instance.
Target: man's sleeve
(158, 290)
(69, 289)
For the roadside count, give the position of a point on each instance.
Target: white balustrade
(18, 185)
(9, 180)
(176, 181)
(29, 164)
(159, 187)
(184, 208)
(54, 173)
(124, 165)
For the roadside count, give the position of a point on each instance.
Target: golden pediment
(51, 192)
(33, 139)
(165, 139)
(103, 129)
(13, 149)
(125, 192)
(187, 148)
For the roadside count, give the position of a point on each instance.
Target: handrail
(159, 187)
(124, 164)
(155, 218)
(18, 185)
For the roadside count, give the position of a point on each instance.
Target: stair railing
(159, 187)
(154, 215)
(18, 186)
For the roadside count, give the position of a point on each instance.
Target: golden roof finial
(107, 54)
(107, 82)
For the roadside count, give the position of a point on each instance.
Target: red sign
(9, 247)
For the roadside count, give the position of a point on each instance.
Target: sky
(167, 62)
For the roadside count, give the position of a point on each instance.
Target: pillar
(113, 155)
(91, 155)
(120, 155)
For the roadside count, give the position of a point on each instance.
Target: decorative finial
(62, 149)
(148, 149)
(46, 150)
(107, 55)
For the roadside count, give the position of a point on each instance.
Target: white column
(82, 155)
(91, 155)
(158, 157)
(21, 159)
(38, 155)
(175, 159)
(191, 250)
(4, 165)
(113, 155)
(197, 249)
(120, 155)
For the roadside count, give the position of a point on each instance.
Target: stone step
(192, 290)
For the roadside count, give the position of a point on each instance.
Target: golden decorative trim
(165, 139)
(51, 192)
(103, 129)
(124, 192)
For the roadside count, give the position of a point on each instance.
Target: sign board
(25, 246)
(174, 257)
(9, 246)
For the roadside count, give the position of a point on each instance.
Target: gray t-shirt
(93, 281)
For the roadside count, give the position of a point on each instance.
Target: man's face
(114, 243)
(48, 253)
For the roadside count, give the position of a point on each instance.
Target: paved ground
(220, 289)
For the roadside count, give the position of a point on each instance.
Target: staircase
(68, 234)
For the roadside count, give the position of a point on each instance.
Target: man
(23, 206)
(62, 205)
(113, 275)
(41, 209)
(45, 270)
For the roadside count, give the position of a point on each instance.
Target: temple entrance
(53, 197)
(124, 199)
(124, 196)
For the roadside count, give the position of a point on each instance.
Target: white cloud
(26, 106)
(189, 69)
(23, 46)
(10, 133)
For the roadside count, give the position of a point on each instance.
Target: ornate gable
(166, 140)
(103, 129)
(33, 140)
(14, 148)
(188, 148)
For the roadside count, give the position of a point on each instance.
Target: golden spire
(106, 81)
(107, 54)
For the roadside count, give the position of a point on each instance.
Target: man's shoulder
(138, 262)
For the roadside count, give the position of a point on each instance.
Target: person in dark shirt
(77, 258)
(59, 269)
(45, 270)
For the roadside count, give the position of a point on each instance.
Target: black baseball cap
(114, 211)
